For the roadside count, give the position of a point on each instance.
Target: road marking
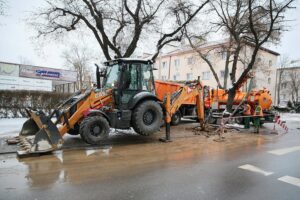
(283, 151)
(255, 169)
(291, 180)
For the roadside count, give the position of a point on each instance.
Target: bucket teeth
(24, 144)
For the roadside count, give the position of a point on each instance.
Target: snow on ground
(290, 116)
(11, 126)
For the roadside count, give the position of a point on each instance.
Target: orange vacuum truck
(215, 101)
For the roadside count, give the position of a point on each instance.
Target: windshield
(112, 76)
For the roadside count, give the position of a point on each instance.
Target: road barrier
(281, 123)
(277, 120)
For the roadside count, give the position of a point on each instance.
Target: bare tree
(116, 25)
(2, 7)
(204, 55)
(294, 83)
(251, 24)
(78, 58)
(283, 63)
(25, 61)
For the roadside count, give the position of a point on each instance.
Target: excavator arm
(173, 103)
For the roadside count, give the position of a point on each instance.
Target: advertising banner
(47, 73)
(18, 83)
(7, 69)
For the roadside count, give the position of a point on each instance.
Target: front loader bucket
(29, 128)
(38, 135)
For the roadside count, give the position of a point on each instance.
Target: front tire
(94, 129)
(147, 117)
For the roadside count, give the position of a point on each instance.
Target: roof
(11, 63)
(212, 44)
(128, 60)
(289, 68)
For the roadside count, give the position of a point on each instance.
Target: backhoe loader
(126, 98)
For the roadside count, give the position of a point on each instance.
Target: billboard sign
(18, 83)
(7, 69)
(47, 73)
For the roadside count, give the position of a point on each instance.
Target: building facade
(184, 64)
(289, 84)
(15, 76)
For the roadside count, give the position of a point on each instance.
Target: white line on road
(290, 180)
(283, 151)
(255, 169)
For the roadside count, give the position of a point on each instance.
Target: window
(164, 64)
(270, 63)
(284, 96)
(163, 78)
(176, 77)
(223, 55)
(177, 63)
(283, 85)
(189, 76)
(147, 79)
(269, 80)
(205, 75)
(190, 60)
(258, 59)
(222, 73)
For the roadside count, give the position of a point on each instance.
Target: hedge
(13, 103)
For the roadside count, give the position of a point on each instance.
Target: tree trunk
(234, 64)
(230, 99)
(226, 71)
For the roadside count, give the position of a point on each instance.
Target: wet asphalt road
(190, 167)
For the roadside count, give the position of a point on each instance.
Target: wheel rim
(149, 117)
(96, 130)
(175, 117)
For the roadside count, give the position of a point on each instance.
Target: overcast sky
(17, 46)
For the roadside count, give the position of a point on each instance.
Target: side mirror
(98, 76)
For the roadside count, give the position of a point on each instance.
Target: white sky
(16, 45)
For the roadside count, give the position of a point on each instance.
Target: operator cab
(127, 78)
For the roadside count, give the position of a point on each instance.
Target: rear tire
(176, 118)
(94, 129)
(147, 117)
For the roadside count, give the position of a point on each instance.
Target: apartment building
(289, 83)
(184, 63)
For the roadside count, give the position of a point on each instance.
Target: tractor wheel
(94, 129)
(176, 118)
(75, 130)
(147, 117)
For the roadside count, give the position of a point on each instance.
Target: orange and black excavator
(126, 98)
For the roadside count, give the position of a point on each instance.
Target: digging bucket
(38, 134)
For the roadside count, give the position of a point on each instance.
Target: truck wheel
(147, 117)
(75, 130)
(239, 120)
(94, 129)
(176, 118)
